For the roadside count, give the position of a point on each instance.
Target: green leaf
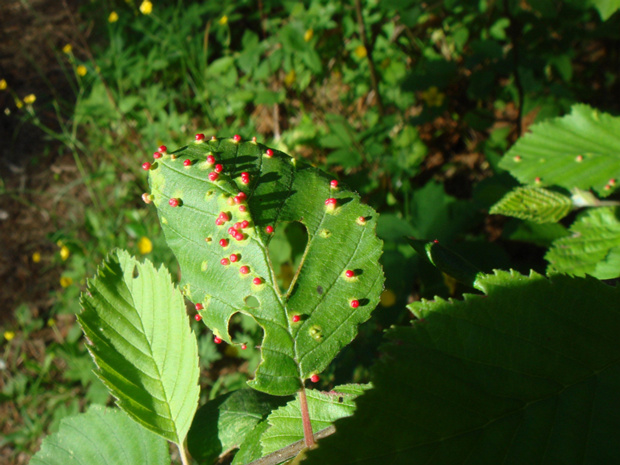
(101, 436)
(535, 204)
(541, 235)
(139, 336)
(592, 246)
(281, 189)
(223, 423)
(578, 150)
(285, 423)
(437, 215)
(251, 449)
(527, 373)
(446, 260)
(606, 8)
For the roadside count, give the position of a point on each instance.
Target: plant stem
(374, 80)
(305, 418)
(183, 454)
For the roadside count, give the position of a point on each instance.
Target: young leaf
(199, 210)
(139, 336)
(285, 423)
(101, 436)
(223, 423)
(578, 150)
(527, 373)
(593, 246)
(535, 204)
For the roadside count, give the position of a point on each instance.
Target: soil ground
(33, 171)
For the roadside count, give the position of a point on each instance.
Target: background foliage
(413, 106)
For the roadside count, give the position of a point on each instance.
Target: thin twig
(374, 80)
(514, 33)
(292, 450)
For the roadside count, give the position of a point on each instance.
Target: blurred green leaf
(101, 436)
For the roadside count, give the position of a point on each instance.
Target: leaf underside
(535, 204)
(593, 246)
(280, 189)
(527, 373)
(101, 436)
(140, 338)
(580, 150)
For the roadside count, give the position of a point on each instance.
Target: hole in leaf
(251, 302)
(243, 329)
(286, 248)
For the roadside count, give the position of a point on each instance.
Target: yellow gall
(433, 97)
(290, 78)
(360, 51)
(113, 17)
(146, 7)
(67, 49)
(9, 335)
(388, 298)
(66, 281)
(145, 245)
(36, 257)
(308, 35)
(51, 322)
(30, 99)
(64, 252)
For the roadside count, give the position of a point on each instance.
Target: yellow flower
(19, 103)
(146, 7)
(308, 35)
(113, 17)
(36, 257)
(51, 322)
(290, 78)
(223, 20)
(3, 84)
(9, 335)
(81, 70)
(360, 51)
(145, 245)
(30, 99)
(388, 298)
(64, 252)
(67, 49)
(433, 97)
(66, 281)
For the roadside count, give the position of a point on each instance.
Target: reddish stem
(305, 418)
